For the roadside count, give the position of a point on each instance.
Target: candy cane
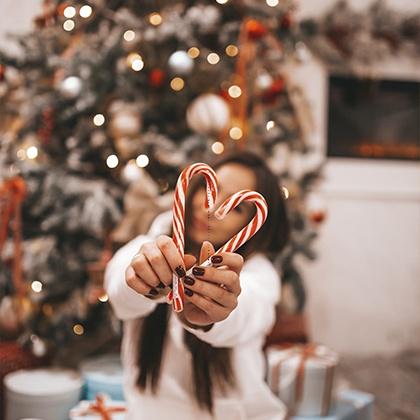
(246, 232)
(176, 295)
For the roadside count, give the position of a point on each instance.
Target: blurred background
(104, 102)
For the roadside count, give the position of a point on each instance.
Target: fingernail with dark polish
(216, 259)
(188, 292)
(180, 271)
(153, 292)
(198, 271)
(188, 280)
(161, 285)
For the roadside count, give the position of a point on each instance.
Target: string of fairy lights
(135, 61)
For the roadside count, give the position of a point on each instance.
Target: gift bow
(99, 407)
(12, 194)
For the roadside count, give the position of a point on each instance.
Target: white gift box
(46, 394)
(88, 410)
(302, 377)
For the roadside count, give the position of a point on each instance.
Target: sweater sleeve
(255, 314)
(126, 302)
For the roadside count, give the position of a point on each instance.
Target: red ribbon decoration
(12, 194)
(99, 407)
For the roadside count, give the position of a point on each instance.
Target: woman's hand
(151, 269)
(210, 296)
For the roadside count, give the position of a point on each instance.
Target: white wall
(364, 290)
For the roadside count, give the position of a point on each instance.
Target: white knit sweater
(244, 331)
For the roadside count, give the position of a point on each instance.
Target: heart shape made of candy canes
(176, 295)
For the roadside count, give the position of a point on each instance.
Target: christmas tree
(107, 103)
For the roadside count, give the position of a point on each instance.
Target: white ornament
(263, 81)
(71, 86)
(180, 62)
(131, 172)
(125, 119)
(208, 114)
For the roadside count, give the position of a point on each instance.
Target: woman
(207, 361)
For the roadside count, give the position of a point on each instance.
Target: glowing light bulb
(213, 58)
(36, 286)
(32, 152)
(177, 83)
(129, 35)
(193, 52)
(85, 11)
(217, 147)
(98, 120)
(235, 91)
(232, 50)
(142, 161)
(69, 12)
(235, 133)
(155, 19)
(78, 329)
(270, 124)
(112, 161)
(272, 3)
(68, 25)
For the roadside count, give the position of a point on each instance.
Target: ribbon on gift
(12, 194)
(99, 407)
(305, 352)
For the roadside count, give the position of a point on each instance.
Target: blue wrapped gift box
(348, 405)
(103, 374)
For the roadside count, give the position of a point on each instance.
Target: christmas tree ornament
(255, 29)
(208, 114)
(124, 119)
(71, 87)
(315, 208)
(157, 77)
(180, 63)
(263, 81)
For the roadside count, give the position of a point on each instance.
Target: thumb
(207, 249)
(189, 260)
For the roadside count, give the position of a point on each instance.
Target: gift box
(103, 375)
(102, 408)
(46, 394)
(13, 357)
(302, 377)
(348, 405)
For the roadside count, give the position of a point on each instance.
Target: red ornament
(157, 77)
(255, 29)
(317, 216)
(2, 72)
(286, 21)
(274, 90)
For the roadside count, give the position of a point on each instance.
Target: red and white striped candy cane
(246, 232)
(176, 295)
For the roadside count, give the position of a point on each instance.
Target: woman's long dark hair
(212, 366)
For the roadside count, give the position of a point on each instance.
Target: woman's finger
(170, 252)
(210, 290)
(137, 284)
(143, 270)
(216, 311)
(233, 260)
(219, 276)
(158, 263)
(206, 250)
